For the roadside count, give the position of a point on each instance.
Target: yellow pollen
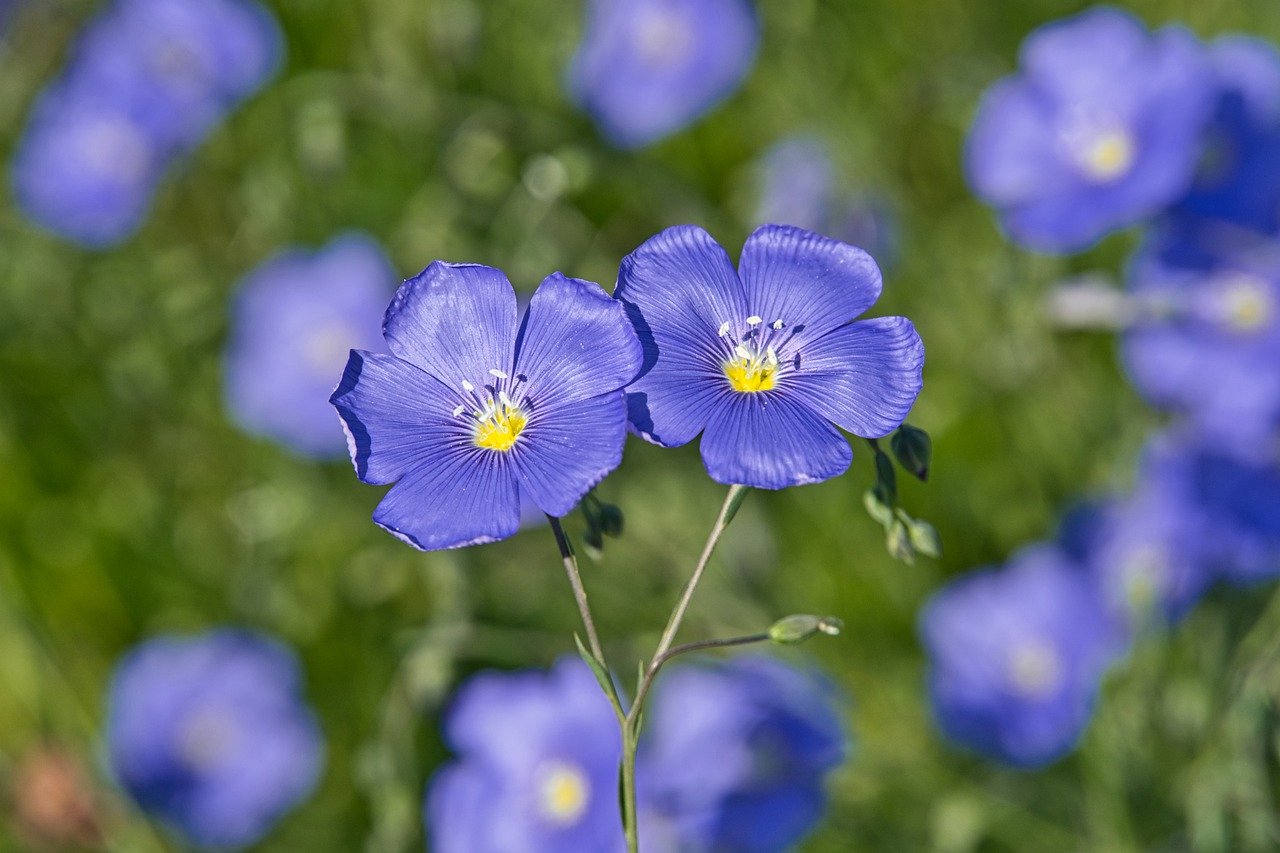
(749, 377)
(564, 793)
(1109, 156)
(501, 428)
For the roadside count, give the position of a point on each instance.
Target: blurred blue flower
(211, 735)
(736, 756)
(1101, 128)
(1148, 551)
(1016, 656)
(768, 364)
(1207, 343)
(647, 68)
(146, 82)
(466, 413)
(536, 769)
(86, 168)
(182, 63)
(294, 320)
(1237, 501)
(799, 186)
(1238, 182)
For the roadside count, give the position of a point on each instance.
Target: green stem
(632, 722)
(579, 591)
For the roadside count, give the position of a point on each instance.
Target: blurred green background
(130, 505)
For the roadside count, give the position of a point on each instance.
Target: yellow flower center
(1247, 304)
(500, 427)
(1108, 156)
(563, 793)
(206, 738)
(1035, 670)
(749, 375)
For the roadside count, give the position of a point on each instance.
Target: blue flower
(764, 361)
(1237, 503)
(184, 63)
(211, 735)
(86, 168)
(1207, 343)
(1149, 551)
(536, 769)
(1238, 183)
(799, 186)
(1016, 656)
(1100, 129)
(465, 413)
(647, 68)
(147, 81)
(295, 319)
(736, 756)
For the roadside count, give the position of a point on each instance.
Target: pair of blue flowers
(734, 759)
(474, 408)
(148, 81)
(211, 735)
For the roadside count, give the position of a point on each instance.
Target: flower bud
(790, 630)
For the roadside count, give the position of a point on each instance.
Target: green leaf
(876, 507)
(600, 671)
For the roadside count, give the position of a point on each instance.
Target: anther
(497, 374)
(467, 386)
(777, 324)
(459, 410)
(753, 321)
(724, 329)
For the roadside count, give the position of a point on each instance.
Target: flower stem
(633, 720)
(732, 501)
(579, 591)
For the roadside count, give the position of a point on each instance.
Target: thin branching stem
(579, 591)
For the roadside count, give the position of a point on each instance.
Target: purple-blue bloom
(1101, 128)
(146, 82)
(647, 68)
(536, 770)
(294, 320)
(799, 186)
(1016, 656)
(86, 168)
(763, 360)
(210, 734)
(473, 407)
(737, 755)
(1208, 342)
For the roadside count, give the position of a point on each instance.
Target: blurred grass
(130, 505)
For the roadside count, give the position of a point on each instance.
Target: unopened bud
(796, 629)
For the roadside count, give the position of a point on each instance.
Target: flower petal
(805, 279)
(679, 287)
(567, 449)
(455, 321)
(457, 495)
(576, 342)
(393, 414)
(864, 377)
(770, 441)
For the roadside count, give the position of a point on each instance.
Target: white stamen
(724, 328)
(778, 324)
(771, 355)
(743, 352)
(753, 321)
(459, 410)
(467, 386)
(505, 400)
(497, 374)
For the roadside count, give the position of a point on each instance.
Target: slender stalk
(633, 720)
(579, 591)
(731, 502)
